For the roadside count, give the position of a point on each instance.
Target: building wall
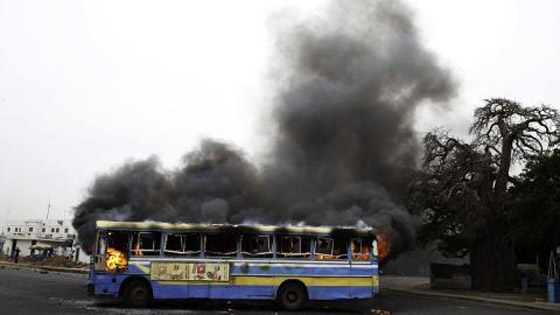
(23, 246)
(42, 231)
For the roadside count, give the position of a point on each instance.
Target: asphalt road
(26, 292)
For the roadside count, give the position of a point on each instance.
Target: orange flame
(116, 260)
(383, 246)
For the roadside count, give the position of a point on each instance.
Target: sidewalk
(421, 285)
(38, 268)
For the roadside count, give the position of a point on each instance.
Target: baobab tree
(462, 193)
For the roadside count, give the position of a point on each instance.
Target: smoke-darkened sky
(87, 85)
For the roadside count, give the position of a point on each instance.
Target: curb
(44, 268)
(541, 305)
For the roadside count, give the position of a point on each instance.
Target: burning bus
(142, 261)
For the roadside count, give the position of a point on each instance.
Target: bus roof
(215, 228)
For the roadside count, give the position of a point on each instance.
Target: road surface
(27, 292)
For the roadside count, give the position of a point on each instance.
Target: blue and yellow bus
(142, 261)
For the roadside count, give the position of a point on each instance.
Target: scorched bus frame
(290, 264)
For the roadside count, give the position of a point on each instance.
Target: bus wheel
(138, 294)
(292, 296)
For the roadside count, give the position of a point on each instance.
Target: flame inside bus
(116, 260)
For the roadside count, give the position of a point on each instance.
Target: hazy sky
(86, 85)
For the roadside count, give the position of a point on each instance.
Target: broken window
(221, 245)
(294, 246)
(257, 246)
(340, 248)
(184, 245)
(361, 248)
(328, 248)
(146, 244)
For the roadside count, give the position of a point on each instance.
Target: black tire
(292, 296)
(138, 294)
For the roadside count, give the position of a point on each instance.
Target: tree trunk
(493, 263)
(493, 260)
(503, 176)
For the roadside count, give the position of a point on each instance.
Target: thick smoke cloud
(345, 116)
(343, 137)
(215, 185)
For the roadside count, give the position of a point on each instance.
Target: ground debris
(60, 261)
(381, 312)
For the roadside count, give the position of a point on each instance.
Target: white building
(29, 235)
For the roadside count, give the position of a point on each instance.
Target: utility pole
(48, 209)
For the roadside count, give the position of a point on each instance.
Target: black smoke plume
(343, 137)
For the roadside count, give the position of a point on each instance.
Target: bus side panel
(176, 290)
(199, 290)
(238, 288)
(359, 284)
(323, 281)
(338, 292)
(260, 280)
(164, 290)
(242, 291)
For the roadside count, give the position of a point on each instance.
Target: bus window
(360, 249)
(294, 247)
(146, 244)
(328, 248)
(220, 245)
(175, 243)
(258, 246)
(324, 248)
(184, 245)
(192, 245)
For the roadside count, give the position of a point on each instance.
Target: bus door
(100, 249)
(111, 251)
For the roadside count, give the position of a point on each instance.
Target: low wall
(447, 276)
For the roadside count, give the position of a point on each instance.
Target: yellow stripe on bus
(142, 268)
(308, 281)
